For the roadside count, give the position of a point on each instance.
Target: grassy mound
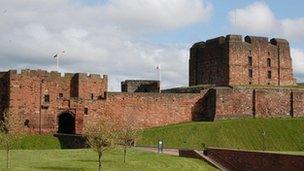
(38, 142)
(280, 134)
(85, 160)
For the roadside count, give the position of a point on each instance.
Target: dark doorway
(66, 123)
(204, 109)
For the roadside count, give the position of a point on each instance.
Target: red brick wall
(261, 102)
(233, 103)
(92, 84)
(273, 102)
(224, 61)
(259, 161)
(298, 103)
(152, 109)
(28, 89)
(208, 62)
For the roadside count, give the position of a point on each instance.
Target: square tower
(229, 61)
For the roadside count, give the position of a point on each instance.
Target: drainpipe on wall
(40, 107)
(279, 67)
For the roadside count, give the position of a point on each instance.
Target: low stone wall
(255, 161)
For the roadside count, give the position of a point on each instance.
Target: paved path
(170, 151)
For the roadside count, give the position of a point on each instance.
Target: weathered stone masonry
(231, 61)
(42, 100)
(48, 102)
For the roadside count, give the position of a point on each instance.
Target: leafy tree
(10, 133)
(101, 136)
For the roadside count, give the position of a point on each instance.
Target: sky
(128, 39)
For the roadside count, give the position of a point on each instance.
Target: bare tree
(10, 133)
(101, 136)
(128, 132)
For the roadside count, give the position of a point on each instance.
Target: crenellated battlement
(45, 73)
(230, 38)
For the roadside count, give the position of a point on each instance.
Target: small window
(268, 62)
(250, 52)
(249, 60)
(86, 111)
(92, 96)
(268, 53)
(27, 123)
(60, 95)
(250, 82)
(250, 73)
(47, 98)
(269, 74)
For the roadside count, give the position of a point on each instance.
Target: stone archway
(66, 123)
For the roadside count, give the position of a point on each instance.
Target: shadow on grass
(91, 161)
(94, 161)
(71, 141)
(62, 168)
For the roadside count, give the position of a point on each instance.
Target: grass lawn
(282, 134)
(86, 159)
(38, 142)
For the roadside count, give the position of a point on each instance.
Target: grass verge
(281, 134)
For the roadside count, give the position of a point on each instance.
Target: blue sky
(127, 39)
(218, 23)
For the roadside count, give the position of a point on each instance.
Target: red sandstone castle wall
(233, 103)
(152, 109)
(28, 90)
(298, 103)
(273, 102)
(247, 102)
(208, 63)
(225, 61)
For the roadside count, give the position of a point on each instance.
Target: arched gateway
(66, 123)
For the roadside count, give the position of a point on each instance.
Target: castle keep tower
(231, 61)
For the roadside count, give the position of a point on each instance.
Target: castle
(231, 61)
(228, 78)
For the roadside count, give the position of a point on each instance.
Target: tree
(101, 135)
(10, 132)
(128, 132)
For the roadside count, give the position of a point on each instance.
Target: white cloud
(258, 18)
(157, 14)
(106, 38)
(293, 28)
(298, 63)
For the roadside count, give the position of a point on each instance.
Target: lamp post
(263, 140)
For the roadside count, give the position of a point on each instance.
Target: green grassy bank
(281, 134)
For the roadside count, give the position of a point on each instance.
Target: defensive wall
(250, 102)
(224, 72)
(48, 102)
